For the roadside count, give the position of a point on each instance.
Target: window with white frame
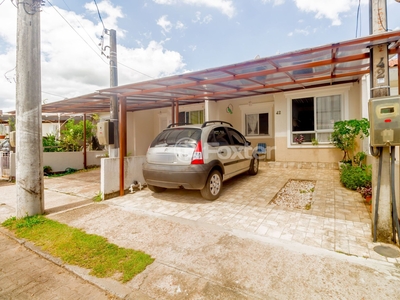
(313, 118)
(256, 124)
(257, 119)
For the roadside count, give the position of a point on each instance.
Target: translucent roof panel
(329, 64)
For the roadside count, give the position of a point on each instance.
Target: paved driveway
(338, 220)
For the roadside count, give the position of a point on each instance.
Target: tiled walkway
(339, 220)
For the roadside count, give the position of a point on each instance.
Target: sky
(158, 38)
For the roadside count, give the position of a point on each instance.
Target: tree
(345, 134)
(72, 136)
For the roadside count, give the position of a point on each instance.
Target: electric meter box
(13, 139)
(105, 133)
(384, 117)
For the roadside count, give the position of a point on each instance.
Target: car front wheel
(212, 189)
(254, 164)
(156, 189)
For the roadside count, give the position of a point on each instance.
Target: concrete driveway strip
(197, 261)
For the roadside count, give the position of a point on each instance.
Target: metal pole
(379, 72)
(114, 99)
(29, 155)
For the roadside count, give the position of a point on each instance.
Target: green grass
(76, 247)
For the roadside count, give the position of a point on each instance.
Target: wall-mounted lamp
(229, 109)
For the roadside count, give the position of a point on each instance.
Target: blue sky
(166, 37)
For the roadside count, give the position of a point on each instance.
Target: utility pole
(114, 99)
(379, 74)
(29, 155)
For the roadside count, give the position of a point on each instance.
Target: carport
(329, 65)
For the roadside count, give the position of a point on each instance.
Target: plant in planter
(366, 192)
(299, 139)
(345, 134)
(354, 177)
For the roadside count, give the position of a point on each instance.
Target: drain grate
(387, 251)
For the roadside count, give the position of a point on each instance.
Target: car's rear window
(177, 136)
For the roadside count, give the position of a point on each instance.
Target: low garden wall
(59, 161)
(109, 178)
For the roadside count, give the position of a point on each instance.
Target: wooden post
(122, 144)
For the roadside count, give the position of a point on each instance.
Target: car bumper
(191, 177)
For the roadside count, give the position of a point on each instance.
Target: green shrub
(354, 177)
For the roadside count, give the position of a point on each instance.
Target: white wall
(59, 161)
(109, 177)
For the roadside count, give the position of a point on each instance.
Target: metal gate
(5, 164)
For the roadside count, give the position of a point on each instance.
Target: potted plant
(345, 134)
(299, 139)
(366, 192)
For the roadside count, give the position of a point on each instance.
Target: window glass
(218, 137)
(313, 118)
(237, 138)
(181, 136)
(328, 111)
(193, 117)
(256, 124)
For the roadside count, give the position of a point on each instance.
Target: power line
(95, 43)
(77, 32)
(99, 14)
(358, 17)
(134, 70)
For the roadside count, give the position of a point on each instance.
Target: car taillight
(197, 158)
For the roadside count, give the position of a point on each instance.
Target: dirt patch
(295, 194)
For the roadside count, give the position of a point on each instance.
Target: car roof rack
(215, 121)
(178, 124)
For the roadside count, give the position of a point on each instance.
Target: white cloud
(180, 25)
(224, 6)
(73, 66)
(164, 23)
(167, 25)
(327, 8)
(205, 20)
(323, 8)
(300, 31)
(276, 2)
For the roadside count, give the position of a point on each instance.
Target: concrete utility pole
(29, 166)
(379, 72)
(114, 99)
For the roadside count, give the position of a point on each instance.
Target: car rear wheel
(156, 189)
(212, 189)
(253, 170)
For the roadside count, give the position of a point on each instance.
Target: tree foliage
(72, 136)
(345, 134)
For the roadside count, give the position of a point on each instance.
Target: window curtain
(328, 111)
(252, 124)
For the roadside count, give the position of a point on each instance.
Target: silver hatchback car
(198, 157)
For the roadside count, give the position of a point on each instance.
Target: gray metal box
(384, 117)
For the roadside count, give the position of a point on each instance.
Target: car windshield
(183, 137)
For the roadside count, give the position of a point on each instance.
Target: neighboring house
(272, 100)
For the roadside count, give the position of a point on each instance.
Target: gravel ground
(296, 194)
